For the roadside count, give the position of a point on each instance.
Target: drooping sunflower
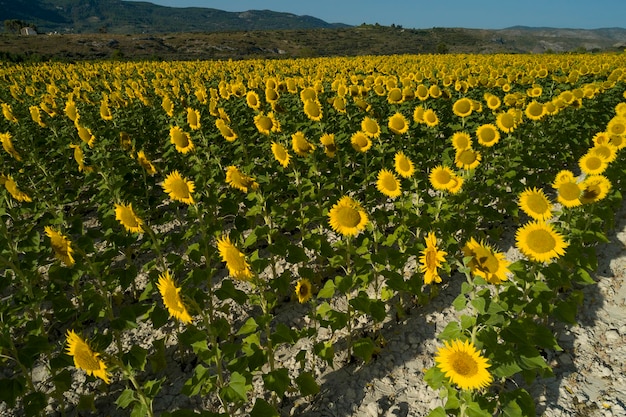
(403, 165)
(79, 157)
(35, 114)
(172, 299)
(486, 262)
(193, 118)
(179, 188)
(347, 217)
(467, 158)
(85, 358)
(236, 262)
(540, 242)
(370, 127)
(462, 107)
(360, 142)
(127, 217)
(7, 144)
(300, 145)
(85, 135)
(398, 124)
(418, 114)
(595, 188)
(461, 140)
(225, 130)
(535, 203)
(487, 135)
(441, 177)
(313, 110)
(181, 140)
(304, 290)
(431, 259)
(592, 164)
(430, 118)
(11, 186)
(463, 365)
(61, 246)
(281, 154)
(328, 142)
(388, 184)
(237, 179)
(145, 163)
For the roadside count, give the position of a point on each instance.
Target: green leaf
(34, 403)
(328, 290)
(460, 302)
(263, 409)
(475, 410)
(86, 402)
(325, 350)
(283, 334)
(434, 377)
(364, 348)
(136, 357)
(126, 398)
(307, 384)
(11, 390)
(277, 381)
(139, 410)
(228, 290)
(248, 327)
(237, 389)
(452, 331)
(296, 254)
(437, 412)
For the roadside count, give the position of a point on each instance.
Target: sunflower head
(304, 290)
(125, 214)
(467, 158)
(398, 124)
(535, 203)
(300, 145)
(431, 259)
(313, 110)
(85, 358)
(347, 217)
(179, 188)
(236, 262)
(403, 165)
(487, 135)
(360, 142)
(486, 262)
(540, 242)
(462, 107)
(463, 365)
(171, 298)
(237, 179)
(61, 246)
(181, 140)
(328, 142)
(388, 184)
(592, 164)
(461, 140)
(281, 154)
(595, 188)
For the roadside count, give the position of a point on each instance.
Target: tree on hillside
(15, 25)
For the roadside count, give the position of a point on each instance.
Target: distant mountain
(124, 17)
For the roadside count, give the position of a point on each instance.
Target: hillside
(352, 41)
(124, 17)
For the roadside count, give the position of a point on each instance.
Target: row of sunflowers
(202, 199)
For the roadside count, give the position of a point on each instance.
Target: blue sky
(482, 14)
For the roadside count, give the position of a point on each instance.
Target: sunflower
(461, 140)
(434, 91)
(535, 203)
(592, 164)
(403, 165)
(487, 135)
(430, 118)
(225, 130)
(166, 104)
(339, 104)
(281, 154)
(394, 96)
(431, 259)
(303, 290)
(506, 122)
(86, 135)
(252, 100)
(79, 157)
(463, 365)
(179, 188)
(493, 102)
(61, 246)
(534, 110)
(568, 189)
(313, 110)
(486, 262)
(181, 140)
(35, 114)
(263, 123)
(70, 110)
(11, 187)
(616, 126)
(606, 151)
(193, 118)
(540, 242)
(172, 299)
(455, 184)
(462, 107)
(347, 217)
(360, 142)
(236, 262)
(145, 163)
(595, 188)
(125, 214)
(300, 145)
(8, 113)
(467, 158)
(271, 95)
(418, 114)
(328, 142)
(370, 127)
(398, 124)
(388, 184)
(237, 179)
(85, 358)
(441, 178)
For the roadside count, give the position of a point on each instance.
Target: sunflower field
(198, 201)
